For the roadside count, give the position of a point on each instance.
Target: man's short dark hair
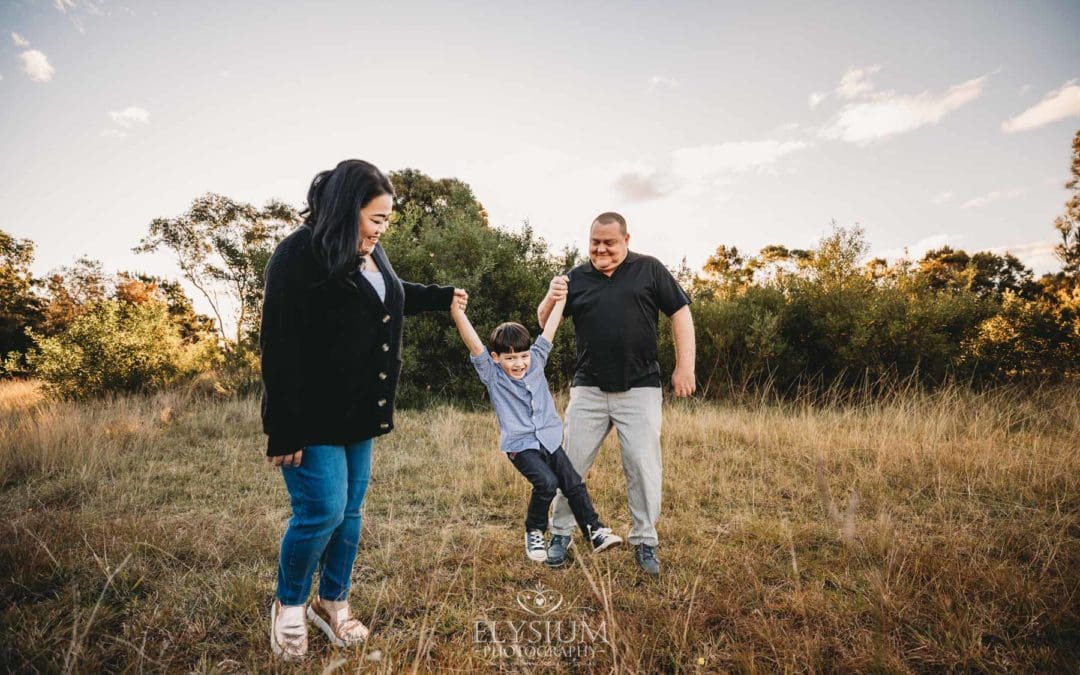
(610, 218)
(510, 337)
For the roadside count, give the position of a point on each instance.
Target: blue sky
(704, 123)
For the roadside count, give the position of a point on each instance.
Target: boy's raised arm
(553, 320)
(466, 330)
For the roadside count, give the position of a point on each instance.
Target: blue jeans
(326, 492)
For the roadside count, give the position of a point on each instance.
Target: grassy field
(923, 532)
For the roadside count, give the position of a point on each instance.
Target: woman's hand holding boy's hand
(459, 303)
(461, 297)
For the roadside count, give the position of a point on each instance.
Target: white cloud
(943, 197)
(76, 11)
(993, 196)
(731, 157)
(854, 83)
(695, 171)
(129, 117)
(888, 114)
(1057, 105)
(659, 81)
(125, 119)
(19, 40)
(36, 65)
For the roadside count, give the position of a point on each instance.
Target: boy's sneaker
(288, 631)
(603, 539)
(534, 546)
(645, 556)
(559, 550)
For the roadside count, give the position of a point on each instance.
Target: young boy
(530, 431)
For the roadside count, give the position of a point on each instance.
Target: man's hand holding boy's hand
(558, 287)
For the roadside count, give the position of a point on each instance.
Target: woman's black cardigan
(331, 350)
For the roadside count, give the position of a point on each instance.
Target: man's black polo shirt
(615, 321)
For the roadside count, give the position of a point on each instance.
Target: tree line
(792, 320)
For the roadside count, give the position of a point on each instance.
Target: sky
(704, 123)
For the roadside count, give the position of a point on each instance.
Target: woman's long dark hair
(333, 208)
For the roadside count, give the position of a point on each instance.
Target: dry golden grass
(17, 396)
(920, 532)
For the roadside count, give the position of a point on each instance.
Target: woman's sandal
(339, 626)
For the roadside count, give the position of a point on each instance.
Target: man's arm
(466, 330)
(682, 331)
(556, 291)
(554, 318)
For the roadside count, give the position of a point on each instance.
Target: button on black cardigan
(331, 350)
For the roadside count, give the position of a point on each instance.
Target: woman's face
(374, 219)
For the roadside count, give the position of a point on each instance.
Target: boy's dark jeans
(548, 471)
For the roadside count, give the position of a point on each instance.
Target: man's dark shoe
(645, 556)
(559, 550)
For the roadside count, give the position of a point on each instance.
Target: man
(614, 300)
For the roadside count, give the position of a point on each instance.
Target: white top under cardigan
(377, 282)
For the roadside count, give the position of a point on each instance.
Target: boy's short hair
(510, 336)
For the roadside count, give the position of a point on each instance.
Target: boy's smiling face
(514, 364)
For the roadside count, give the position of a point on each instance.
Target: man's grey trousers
(636, 416)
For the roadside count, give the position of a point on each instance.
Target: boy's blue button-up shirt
(524, 408)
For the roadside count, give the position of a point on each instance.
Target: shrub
(118, 347)
(1028, 339)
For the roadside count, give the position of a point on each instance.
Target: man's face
(607, 246)
(514, 364)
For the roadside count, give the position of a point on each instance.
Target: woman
(331, 345)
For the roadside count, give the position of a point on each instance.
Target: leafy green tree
(136, 288)
(990, 274)
(20, 307)
(837, 260)
(72, 289)
(984, 273)
(943, 268)
(222, 247)
(505, 272)
(1068, 223)
(726, 270)
(434, 200)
